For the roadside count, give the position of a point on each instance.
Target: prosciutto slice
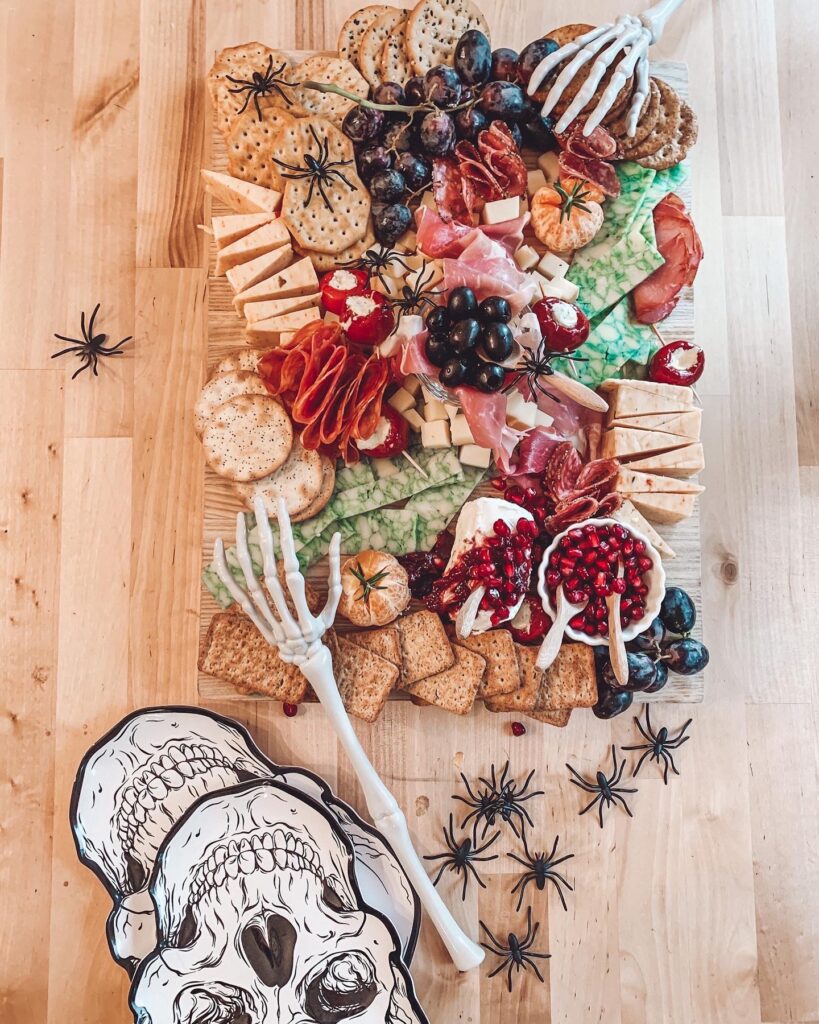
(438, 238)
(486, 268)
(680, 246)
(486, 416)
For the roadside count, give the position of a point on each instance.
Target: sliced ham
(680, 246)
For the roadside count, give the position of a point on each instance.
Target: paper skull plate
(260, 921)
(138, 781)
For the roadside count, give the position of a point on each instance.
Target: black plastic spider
(608, 791)
(416, 297)
(320, 170)
(541, 870)
(377, 262)
(262, 84)
(517, 952)
(537, 364)
(91, 347)
(461, 857)
(499, 797)
(659, 745)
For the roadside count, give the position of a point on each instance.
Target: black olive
(498, 341)
(453, 373)
(462, 303)
(488, 377)
(465, 335)
(438, 320)
(497, 308)
(439, 351)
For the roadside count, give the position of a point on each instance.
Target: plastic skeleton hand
(298, 639)
(629, 36)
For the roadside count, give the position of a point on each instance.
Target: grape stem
(371, 105)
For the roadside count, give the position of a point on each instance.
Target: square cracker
(364, 679)
(455, 688)
(560, 718)
(386, 643)
(425, 648)
(525, 698)
(331, 71)
(251, 145)
(235, 651)
(569, 682)
(502, 669)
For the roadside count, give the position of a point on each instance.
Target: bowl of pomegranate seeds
(586, 560)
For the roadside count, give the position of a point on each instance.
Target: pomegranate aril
(618, 586)
(644, 563)
(552, 578)
(498, 483)
(576, 621)
(589, 629)
(576, 596)
(639, 547)
(290, 710)
(518, 729)
(575, 534)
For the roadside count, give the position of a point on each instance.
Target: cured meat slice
(598, 145)
(502, 156)
(313, 398)
(446, 188)
(561, 472)
(597, 478)
(478, 182)
(598, 172)
(534, 451)
(569, 512)
(680, 246)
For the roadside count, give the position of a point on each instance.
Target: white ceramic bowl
(655, 578)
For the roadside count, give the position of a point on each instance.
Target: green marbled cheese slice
(603, 283)
(615, 340)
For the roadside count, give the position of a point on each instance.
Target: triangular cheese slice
(268, 237)
(667, 392)
(241, 196)
(268, 331)
(234, 226)
(297, 279)
(681, 462)
(664, 508)
(628, 515)
(643, 398)
(621, 442)
(631, 482)
(256, 311)
(248, 274)
(685, 424)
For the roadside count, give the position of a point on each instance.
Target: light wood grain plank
(100, 261)
(167, 486)
(93, 647)
(171, 134)
(229, 24)
(31, 422)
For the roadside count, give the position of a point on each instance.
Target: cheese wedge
(256, 311)
(621, 442)
(236, 225)
(664, 508)
(268, 331)
(644, 398)
(298, 278)
(686, 424)
(264, 286)
(241, 196)
(631, 482)
(681, 462)
(628, 515)
(268, 237)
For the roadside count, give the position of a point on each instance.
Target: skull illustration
(261, 921)
(141, 778)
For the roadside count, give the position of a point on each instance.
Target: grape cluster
(664, 646)
(394, 150)
(469, 340)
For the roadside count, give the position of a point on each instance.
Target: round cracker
(220, 389)
(676, 150)
(668, 123)
(434, 28)
(328, 485)
(249, 437)
(353, 29)
(240, 359)
(567, 34)
(378, 32)
(251, 143)
(394, 65)
(323, 261)
(649, 112)
(330, 71)
(299, 481)
(242, 62)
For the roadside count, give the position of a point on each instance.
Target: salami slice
(447, 190)
(478, 182)
(609, 504)
(562, 470)
(597, 478)
(598, 172)
(598, 145)
(569, 512)
(502, 157)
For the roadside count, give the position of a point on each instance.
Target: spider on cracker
(320, 170)
(262, 84)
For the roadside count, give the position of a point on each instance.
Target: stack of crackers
(275, 131)
(417, 657)
(249, 440)
(390, 44)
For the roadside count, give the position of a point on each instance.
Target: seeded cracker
(241, 63)
(353, 29)
(240, 359)
(676, 150)
(250, 144)
(322, 261)
(248, 438)
(668, 123)
(502, 671)
(372, 42)
(425, 648)
(364, 679)
(299, 481)
(434, 28)
(385, 642)
(331, 71)
(220, 389)
(394, 65)
(327, 487)
(304, 210)
(455, 688)
(567, 34)
(649, 113)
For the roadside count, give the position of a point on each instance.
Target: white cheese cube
(435, 434)
(402, 400)
(414, 420)
(500, 210)
(543, 419)
(390, 286)
(412, 384)
(474, 455)
(552, 266)
(549, 163)
(520, 413)
(452, 411)
(428, 200)
(534, 180)
(434, 410)
(432, 273)
(416, 260)
(461, 434)
(526, 257)
(560, 288)
(384, 467)
(330, 318)
(285, 338)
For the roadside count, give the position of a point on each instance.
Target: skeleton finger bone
(548, 64)
(254, 589)
(292, 631)
(640, 93)
(580, 59)
(310, 627)
(636, 56)
(239, 596)
(334, 588)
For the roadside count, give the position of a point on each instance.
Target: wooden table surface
(703, 909)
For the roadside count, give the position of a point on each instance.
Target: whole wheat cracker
(425, 648)
(372, 42)
(497, 647)
(649, 112)
(434, 28)
(242, 62)
(220, 389)
(248, 438)
(330, 71)
(299, 481)
(455, 688)
(560, 719)
(525, 697)
(676, 150)
(250, 144)
(365, 680)
(569, 682)
(353, 29)
(384, 642)
(567, 34)
(668, 122)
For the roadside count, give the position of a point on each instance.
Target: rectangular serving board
(225, 332)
